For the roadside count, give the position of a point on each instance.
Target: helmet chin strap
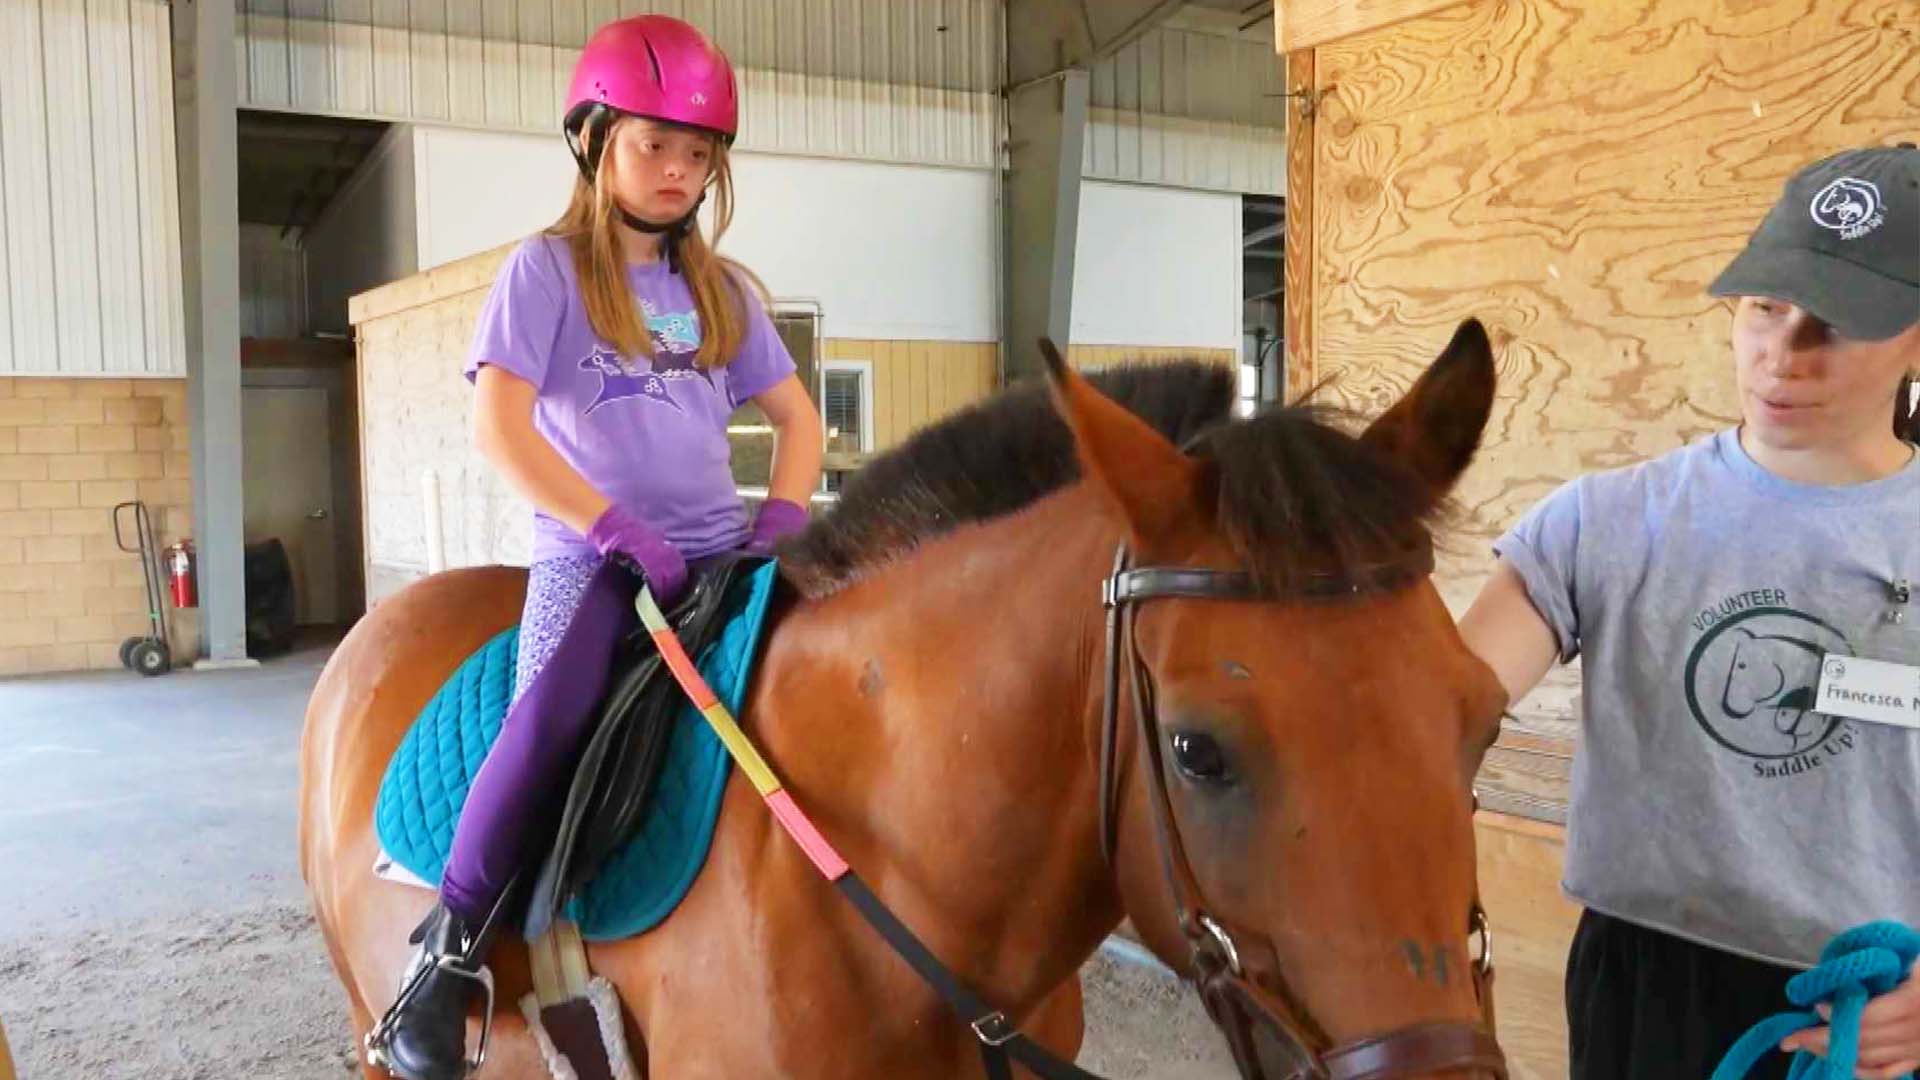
(675, 230)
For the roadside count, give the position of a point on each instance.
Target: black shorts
(1643, 1005)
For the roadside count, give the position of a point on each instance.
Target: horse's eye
(1199, 757)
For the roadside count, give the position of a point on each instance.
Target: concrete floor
(131, 798)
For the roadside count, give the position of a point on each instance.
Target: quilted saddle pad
(427, 780)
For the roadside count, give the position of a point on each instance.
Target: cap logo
(698, 98)
(1850, 207)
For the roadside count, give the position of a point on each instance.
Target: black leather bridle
(1272, 1035)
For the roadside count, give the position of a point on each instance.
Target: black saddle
(613, 783)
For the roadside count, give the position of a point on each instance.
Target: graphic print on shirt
(676, 341)
(1751, 678)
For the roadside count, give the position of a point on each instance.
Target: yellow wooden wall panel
(956, 365)
(929, 380)
(916, 383)
(900, 371)
(914, 356)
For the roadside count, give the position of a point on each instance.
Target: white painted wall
(1157, 267)
(901, 252)
(368, 235)
(481, 189)
(889, 251)
(895, 252)
(273, 284)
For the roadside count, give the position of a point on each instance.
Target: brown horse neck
(935, 719)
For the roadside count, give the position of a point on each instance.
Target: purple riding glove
(619, 533)
(777, 520)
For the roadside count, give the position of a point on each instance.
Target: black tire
(150, 658)
(126, 651)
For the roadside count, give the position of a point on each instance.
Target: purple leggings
(577, 610)
(555, 588)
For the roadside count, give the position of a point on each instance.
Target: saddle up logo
(1751, 681)
(1849, 207)
(676, 340)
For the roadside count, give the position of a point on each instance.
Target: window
(846, 407)
(748, 432)
(800, 332)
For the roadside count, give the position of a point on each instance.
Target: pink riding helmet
(658, 67)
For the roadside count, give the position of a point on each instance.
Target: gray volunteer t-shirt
(1702, 593)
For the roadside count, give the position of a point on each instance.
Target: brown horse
(934, 698)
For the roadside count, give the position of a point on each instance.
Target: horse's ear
(1435, 429)
(1151, 483)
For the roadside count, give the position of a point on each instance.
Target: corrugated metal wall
(886, 80)
(1190, 109)
(89, 209)
(895, 80)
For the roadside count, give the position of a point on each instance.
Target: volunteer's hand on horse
(620, 534)
(1889, 1033)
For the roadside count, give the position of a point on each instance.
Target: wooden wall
(1520, 863)
(1573, 174)
(918, 382)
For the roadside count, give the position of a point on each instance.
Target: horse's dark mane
(1296, 496)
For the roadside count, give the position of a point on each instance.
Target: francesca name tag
(1873, 690)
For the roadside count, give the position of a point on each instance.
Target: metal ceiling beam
(303, 133)
(1051, 44)
(1047, 123)
(1145, 17)
(1048, 37)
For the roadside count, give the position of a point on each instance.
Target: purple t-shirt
(652, 437)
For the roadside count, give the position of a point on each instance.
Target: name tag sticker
(1872, 690)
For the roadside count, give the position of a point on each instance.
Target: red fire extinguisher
(180, 578)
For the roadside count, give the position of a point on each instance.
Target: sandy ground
(251, 995)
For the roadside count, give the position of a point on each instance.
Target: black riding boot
(424, 1035)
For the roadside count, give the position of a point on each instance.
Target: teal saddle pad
(427, 780)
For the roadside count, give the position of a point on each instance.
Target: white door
(287, 468)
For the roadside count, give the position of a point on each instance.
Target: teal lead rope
(1854, 967)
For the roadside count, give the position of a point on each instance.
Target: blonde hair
(721, 288)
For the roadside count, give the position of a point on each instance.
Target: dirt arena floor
(153, 925)
(251, 995)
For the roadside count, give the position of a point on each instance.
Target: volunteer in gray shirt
(1722, 829)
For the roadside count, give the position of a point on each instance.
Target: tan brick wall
(69, 450)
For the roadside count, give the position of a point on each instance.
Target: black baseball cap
(1843, 242)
